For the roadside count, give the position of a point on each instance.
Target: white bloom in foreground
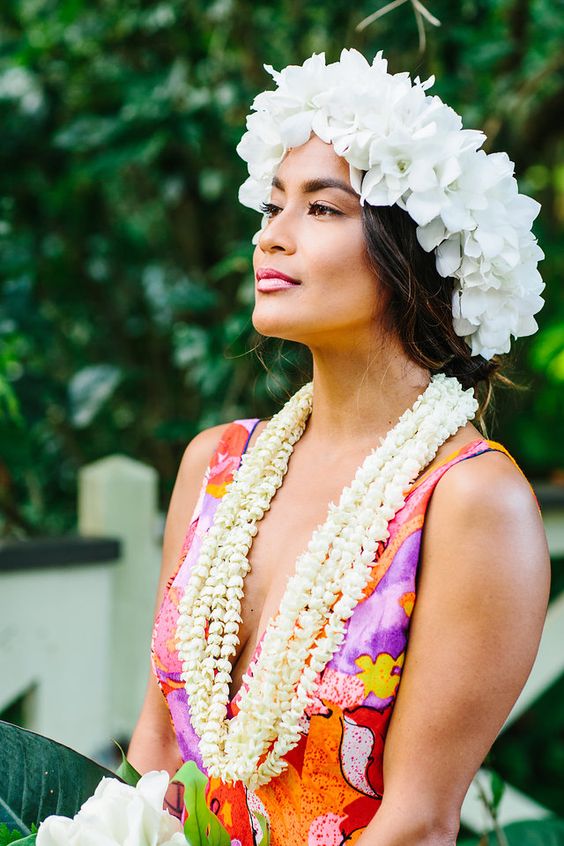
(118, 815)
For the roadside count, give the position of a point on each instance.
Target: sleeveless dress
(333, 784)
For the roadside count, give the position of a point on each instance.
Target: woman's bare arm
(483, 590)
(153, 743)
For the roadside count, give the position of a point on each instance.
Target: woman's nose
(277, 235)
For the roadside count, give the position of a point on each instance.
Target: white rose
(118, 815)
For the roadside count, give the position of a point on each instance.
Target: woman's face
(316, 236)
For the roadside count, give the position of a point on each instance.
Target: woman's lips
(270, 279)
(274, 284)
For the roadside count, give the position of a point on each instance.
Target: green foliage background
(125, 257)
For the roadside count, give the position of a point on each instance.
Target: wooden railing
(76, 613)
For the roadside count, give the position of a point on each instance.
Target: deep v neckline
(433, 468)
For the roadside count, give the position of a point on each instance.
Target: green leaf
(202, 827)
(497, 786)
(547, 347)
(39, 777)
(89, 389)
(548, 832)
(7, 836)
(24, 841)
(127, 771)
(9, 405)
(85, 133)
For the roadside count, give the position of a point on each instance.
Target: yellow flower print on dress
(378, 676)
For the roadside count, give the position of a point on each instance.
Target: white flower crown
(408, 148)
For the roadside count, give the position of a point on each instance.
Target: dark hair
(419, 310)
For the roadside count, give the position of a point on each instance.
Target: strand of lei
(348, 580)
(329, 580)
(351, 584)
(210, 738)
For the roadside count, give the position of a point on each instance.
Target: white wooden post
(55, 651)
(118, 498)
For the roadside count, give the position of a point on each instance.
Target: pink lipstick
(274, 284)
(270, 279)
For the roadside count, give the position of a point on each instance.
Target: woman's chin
(278, 329)
(274, 325)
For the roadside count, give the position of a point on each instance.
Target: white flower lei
(414, 153)
(329, 581)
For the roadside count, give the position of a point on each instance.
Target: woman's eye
(322, 208)
(269, 209)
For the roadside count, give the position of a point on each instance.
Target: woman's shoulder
(484, 523)
(199, 450)
(492, 481)
(210, 439)
(212, 444)
(207, 453)
(491, 474)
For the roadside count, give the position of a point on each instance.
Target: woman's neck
(358, 398)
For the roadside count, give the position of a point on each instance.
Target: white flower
(407, 147)
(118, 815)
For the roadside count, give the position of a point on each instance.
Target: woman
(384, 231)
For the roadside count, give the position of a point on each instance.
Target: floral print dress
(333, 784)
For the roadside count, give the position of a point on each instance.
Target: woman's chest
(369, 661)
(299, 507)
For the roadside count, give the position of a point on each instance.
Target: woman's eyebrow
(312, 185)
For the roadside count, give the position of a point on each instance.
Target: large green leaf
(39, 777)
(126, 770)
(549, 832)
(202, 827)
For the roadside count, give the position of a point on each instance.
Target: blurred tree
(126, 257)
